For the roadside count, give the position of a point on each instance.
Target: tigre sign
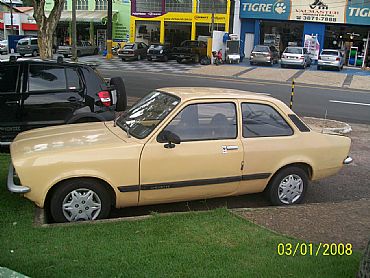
(325, 11)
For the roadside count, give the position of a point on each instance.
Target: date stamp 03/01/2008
(311, 249)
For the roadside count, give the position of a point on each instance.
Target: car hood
(63, 138)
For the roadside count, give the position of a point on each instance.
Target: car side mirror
(168, 137)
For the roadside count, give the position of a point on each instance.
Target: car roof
(40, 61)
(189, 93)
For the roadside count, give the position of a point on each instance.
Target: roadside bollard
(292, 95)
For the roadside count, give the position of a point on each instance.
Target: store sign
(265, 9)
(358, 12)
(327, 11)
(323, 11)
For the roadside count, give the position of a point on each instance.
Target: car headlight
(160, 52)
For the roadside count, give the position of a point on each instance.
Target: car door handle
(12, 102)
(72, 99)
(231, 148)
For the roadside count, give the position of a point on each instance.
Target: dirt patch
(345, 222)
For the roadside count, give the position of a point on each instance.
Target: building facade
(91, 16)
(173, 21)
(338, 24)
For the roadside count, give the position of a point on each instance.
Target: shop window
(101, 5)
(179, 6)
(82, 5)
(212, 6)
(149, 5)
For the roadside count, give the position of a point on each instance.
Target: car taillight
(338, 59)
(105, 98)
(302, 58)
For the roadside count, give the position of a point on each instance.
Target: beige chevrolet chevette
(175, 144)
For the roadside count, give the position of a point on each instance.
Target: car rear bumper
(260, 59)
(13, 187)
(293, 62)
(328, 63)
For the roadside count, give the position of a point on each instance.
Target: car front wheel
(80, 199)
(288, 186)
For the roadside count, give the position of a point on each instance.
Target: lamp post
(109, 30)
(74, 31)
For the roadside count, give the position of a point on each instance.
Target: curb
(343, 128)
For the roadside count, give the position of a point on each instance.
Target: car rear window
(330, 52)
(293, 50)
(8, 78)
(23, 42)
(261, 49)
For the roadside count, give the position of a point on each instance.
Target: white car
(332, 58)
(3, 47)
(295, 56)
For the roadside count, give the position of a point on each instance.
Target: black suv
(38, 93)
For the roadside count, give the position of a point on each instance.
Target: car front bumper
(13, 187)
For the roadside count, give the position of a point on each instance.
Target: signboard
(323, 11)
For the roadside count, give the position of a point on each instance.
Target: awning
(85, 16)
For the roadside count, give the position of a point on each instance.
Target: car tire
(97, 206)
(179, 61)
(149, 59)
(294, 180)
(34, 53)
(252, 63)
(123, 59)
(121, 104)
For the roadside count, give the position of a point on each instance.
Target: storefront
(173, 22)
(339, 24)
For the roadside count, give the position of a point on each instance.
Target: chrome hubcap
(290, 189)
(81, 204)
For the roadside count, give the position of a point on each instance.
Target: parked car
(173, 145)
(190, 51)
(264, 54)
(4, 47)
(330, 58)
(27, 46)
(36, 93)
(295, 56)
(133, 51)
(159, 52)
(83, 48)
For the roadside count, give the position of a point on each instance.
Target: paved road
(352, 106)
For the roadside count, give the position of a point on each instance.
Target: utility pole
(366, 50)
(74, 31)
(213, 18)
(11, 17)
(109, 30)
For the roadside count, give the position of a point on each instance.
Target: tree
(47, 25)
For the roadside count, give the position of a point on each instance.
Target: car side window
(304, 50)
(46, 77)
(206, 121)
(73, 79)
(8, 78)
(33, 41)
(261, 120)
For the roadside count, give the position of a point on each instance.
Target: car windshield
(129, 46)
(293, 50)
(22, 42)
(156, 46)
(189, 44)
(147, 113)
(261, 48)
(330, 52)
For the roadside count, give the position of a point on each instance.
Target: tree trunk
(47, 25)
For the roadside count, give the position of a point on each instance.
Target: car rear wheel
(288, 186)
(121, 104)
(80, 199)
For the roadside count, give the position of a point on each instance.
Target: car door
(9, 102)
(51, 95)
(143, 49)
(207, 162)
(267, 139)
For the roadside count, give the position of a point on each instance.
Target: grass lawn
(208, 244)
